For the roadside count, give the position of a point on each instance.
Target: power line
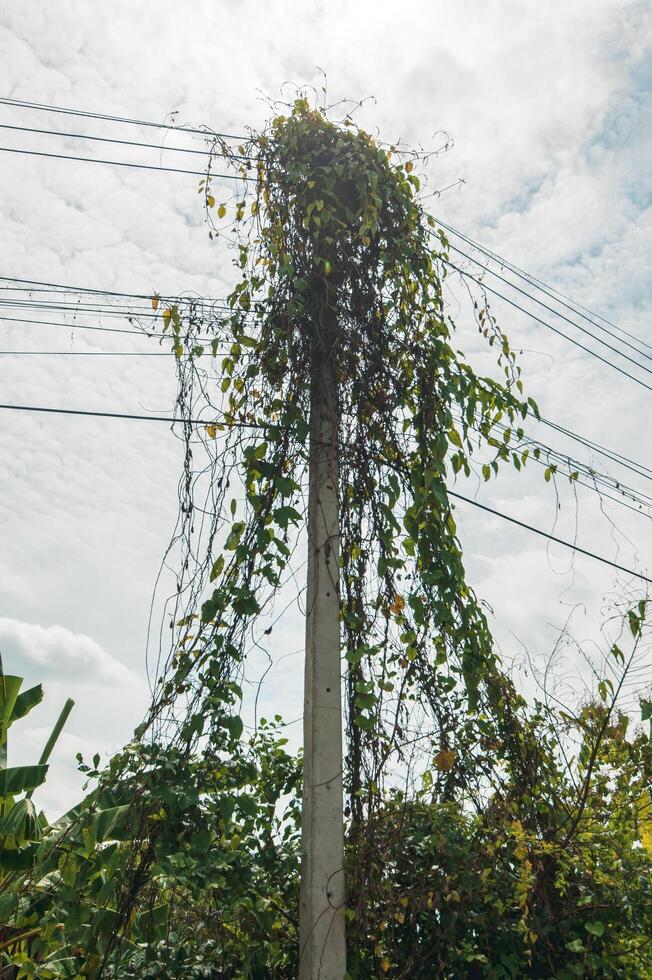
(549, 326)
(247, 425)
(44, 107)
(122, 163)
(163, 298)
(562, 316)
(108, 139)
(83, 353)
(35, 284)
(639, 468)
(104, 309)
(562, 298)
(642, 499)
(206, 341)
(551, 537)
(138, 418)
(598, 481)
(94, 309)
(47, 286)
(83, 326)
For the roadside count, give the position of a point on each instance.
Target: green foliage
(214, 879)
(523, 860)
(526, 851)
(21, 826)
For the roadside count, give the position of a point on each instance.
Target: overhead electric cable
(562, 298)
(87, 289)
(104, 309)
(598, 480)
(99, 309)
(549, 326)
(84, 326)
(140, 418)
(611, 454)
(164, 298)
(551, 537)
(34, 284)
(252, 425)
(562, 316)
(145, 334)
(83, 353)
(44, 107)
(108, 139)
(123, 163)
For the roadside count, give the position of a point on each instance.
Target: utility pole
(321, 920)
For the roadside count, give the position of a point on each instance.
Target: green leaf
(217, 568)
(234, 726)
(635, 622)
(454, 437)
(9, 687)
(646, 710)
(21, 822)
(246, 604)
(364, 722)
(283, 515)
(576, 946)
(595, 928)
(365, 701)
(111, 823)
(20, 779)
(26, 701)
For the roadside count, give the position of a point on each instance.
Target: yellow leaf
(221, 211)
(404, 902)
(155, 300)
(397, 605)
(210, 200)
(167, 316)
(385, 965)
(445, 760)
(211, 431)
(409, 167)
(644, 808)
(400, 918)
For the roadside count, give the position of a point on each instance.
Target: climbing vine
(331, 224)
(333, 219)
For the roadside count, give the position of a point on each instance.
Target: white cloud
(109, 698)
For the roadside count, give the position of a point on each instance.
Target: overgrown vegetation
(485, 837)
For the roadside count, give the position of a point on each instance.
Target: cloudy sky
(549, 107)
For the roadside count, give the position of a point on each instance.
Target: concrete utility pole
(321, 920)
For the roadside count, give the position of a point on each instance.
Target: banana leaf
(26, 701)
(18, 779)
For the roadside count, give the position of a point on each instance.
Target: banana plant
(21, 825)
